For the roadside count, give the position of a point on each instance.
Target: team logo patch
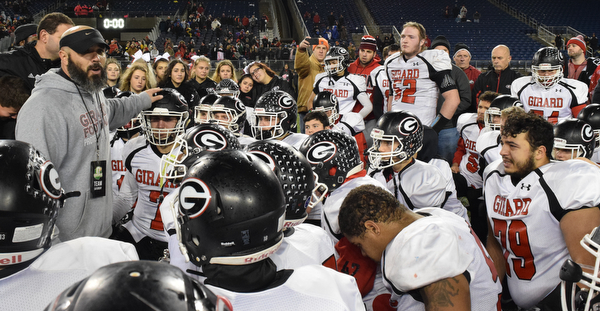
(343, 51)
(239, 106)
(286, 101)
(321, 152)
(210, 139)
(49, 180)
(587, 133)
(265, 157)
(194, 197)
(408, 125)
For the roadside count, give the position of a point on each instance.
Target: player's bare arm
(309, 103)
(574, 225)
(495, 251)
(447, 294)
(451, 102)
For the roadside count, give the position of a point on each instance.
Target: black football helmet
(132, 127)
(327, 102)
(111, 91)
(202, 111)
(397, 127)
(31, 198)
(228, 87)
(571, 273)
(234, 110)
(172, 104)
(138, 285)
(497, 105)
(280, 109)
(576, 136)
(337, 60)
(333, 156)
(295, 175)
(546, 59)
(189, 147)
(591, 115)
(232, 209)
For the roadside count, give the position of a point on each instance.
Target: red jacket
(358, 69)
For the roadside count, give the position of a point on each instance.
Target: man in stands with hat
(25, 34)
(448, 136)
(67, 118)
(462, 58)
(579, 67)
(307, 68)
(365, 63)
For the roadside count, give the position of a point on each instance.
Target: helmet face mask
(166, 119)
(492, 117)
(571, 273)
(546, 67)
(327, 102)
(202, 110)
(400, 133)
(229, 112)
(228, 87)
(274, 115)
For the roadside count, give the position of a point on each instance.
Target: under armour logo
(415, 64)
(523, 186)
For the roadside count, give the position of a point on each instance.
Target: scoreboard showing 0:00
(114, 23)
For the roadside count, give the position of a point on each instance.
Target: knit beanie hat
(440, 40)
(461, 46)
(579, 41)
(368, 43)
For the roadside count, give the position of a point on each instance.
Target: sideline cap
(82, 40)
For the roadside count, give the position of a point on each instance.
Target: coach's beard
(92, 84)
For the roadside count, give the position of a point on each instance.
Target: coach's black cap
(24, 31)
(81, 38)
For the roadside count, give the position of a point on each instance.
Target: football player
(349, 89)
(303, 244)
(591, 115)
(31, 272)
(397, 138)
(232, 239)
(202, 111)
(138, 285)
(424, 255)
(142, 185)
(547, 93)
(416, 74)
(275, 117)
(573, 139)
(231, 112)
(536, 222)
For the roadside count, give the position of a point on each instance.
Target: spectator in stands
(199, 76)
(114, 48)
(594, 43)
(331, 19)
(169, 49)
(316, 19)
(138, 78)
(14, 94)
(579, 66)
(25, 34)
(177, 77)
(558, 42)
(462, 58)
(225, 70)
(448, 136)
(246, 84)
(498, 78)
(160, 68)
(266, 80)
(476, 17)
(113, 72)
(286, 73)
(307, 68)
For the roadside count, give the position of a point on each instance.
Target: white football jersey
(307, 245)
(418, 185)
(141, 186)
(488, 146)
(331, 207)
(64, 264)
(416, 83)
(116, 162)
(555, 103)
(525, 220)
(469, 129)
(596, 155)
(351, 123)
(380, 80)
(452, 203)
(346, 88)
(307, 288)
(295, 139)
(438, 246)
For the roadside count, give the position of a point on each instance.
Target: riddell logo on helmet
(11, 260)
(260, 257)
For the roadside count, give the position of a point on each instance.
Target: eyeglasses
(255, 71)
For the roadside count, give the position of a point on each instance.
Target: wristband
(439, 122)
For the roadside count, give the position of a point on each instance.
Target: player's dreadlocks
(368, 202)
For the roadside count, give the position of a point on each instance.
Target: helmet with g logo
(401, 132)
